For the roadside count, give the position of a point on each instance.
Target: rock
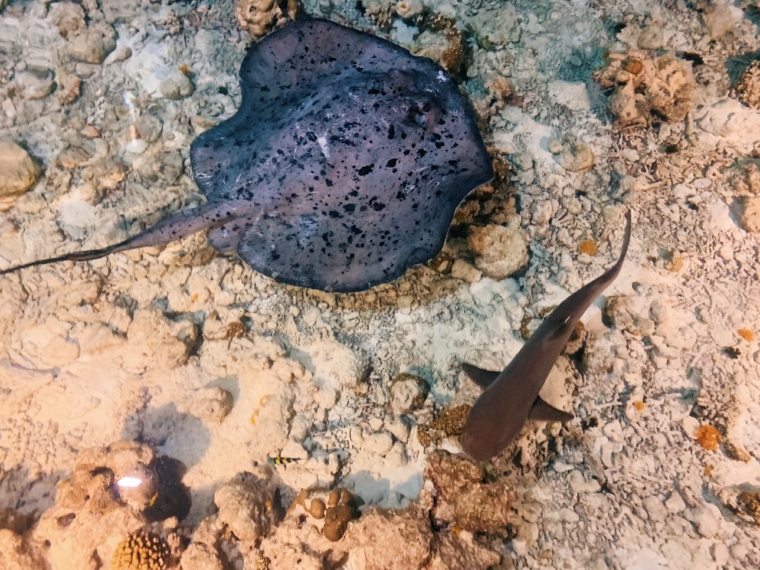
(445, 47)
(91, 45)
(408, 393)
(618, 312)
(120, 459)
(176, 86)
(122, 53)
(386, 540)
(493, 25)
(458, 549)
(579, 485)
(92, 513)
(577, 157)
(67, 17)
(656, 508)
(379, 442)
(707, 518)
(573, 96)
(201, 556)
(212, 404)
(748, 209)
(34, 84)
(69, 87)
(463, 497)
(675, 503)
(259, 17)
(651, 37)
(747, 89)
(719, 553)
(248, 506)
(16, 553)
(157, 342)
(464, 270)
(500, 250)
(18, 172)
(121, 10)
(720, 18)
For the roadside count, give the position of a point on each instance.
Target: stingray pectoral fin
(483, 378)
(546, 412)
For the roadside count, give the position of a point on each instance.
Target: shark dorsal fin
(543, 411)
(483, 378)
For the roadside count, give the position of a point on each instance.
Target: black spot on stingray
(364, 170)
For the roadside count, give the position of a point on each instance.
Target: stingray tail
(181, 224)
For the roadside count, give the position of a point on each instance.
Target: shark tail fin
(543, 411)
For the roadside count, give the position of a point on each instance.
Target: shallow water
(589, 109)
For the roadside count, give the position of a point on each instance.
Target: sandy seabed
(588, 108)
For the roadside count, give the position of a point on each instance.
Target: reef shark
(511, 396)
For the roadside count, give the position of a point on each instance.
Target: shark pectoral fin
(483, 378)
(543, 411)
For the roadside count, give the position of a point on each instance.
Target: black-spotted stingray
(342, 168)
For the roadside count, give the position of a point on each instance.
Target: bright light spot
(131, 102)
(323, 145)
(129, 482)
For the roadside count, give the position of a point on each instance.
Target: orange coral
(587, 246)
(746, 334)
(708, 437)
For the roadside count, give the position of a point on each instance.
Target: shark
(511, 397)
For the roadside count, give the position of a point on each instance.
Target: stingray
(511, 396)
(342, 168)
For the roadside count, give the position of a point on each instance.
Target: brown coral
(259, 17)
(331, 510)
(708, 437)
(463, 498)
(747, 89)
(449, 423)
(141, 551)
(381, 12)
(646, 85)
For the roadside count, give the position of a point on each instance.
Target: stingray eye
(416, 117)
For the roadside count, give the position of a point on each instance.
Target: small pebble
(18, 172)
(176, 86)
(34, 84)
